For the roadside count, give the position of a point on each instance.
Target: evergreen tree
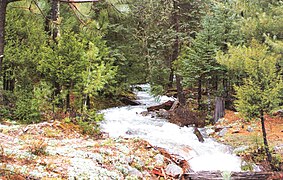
(262, 86)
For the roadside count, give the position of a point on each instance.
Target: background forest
(61, 57)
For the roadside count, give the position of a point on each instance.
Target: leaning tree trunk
(266, 147)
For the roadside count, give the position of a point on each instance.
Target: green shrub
(88, 122)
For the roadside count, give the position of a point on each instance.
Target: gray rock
(222, 132)
(279, 149)
(173, 170)
(240, 149)
(163, 113)
(144, 113)
(250, 129)
(159, 159)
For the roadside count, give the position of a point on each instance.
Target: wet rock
(223, 132)
(153, 114)
(163, 113)
(173, 170)
(144, 113)
(131, 132)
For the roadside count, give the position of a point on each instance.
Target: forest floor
(57, 150)
(246, 137)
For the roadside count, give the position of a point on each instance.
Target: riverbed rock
(163, 113)
(144, 113)
(173, 170)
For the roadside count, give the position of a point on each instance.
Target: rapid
(127, 122)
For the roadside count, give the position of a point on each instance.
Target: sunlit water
(128, 122)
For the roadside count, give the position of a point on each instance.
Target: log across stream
(129, 123)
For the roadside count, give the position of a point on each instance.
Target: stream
(127, 122)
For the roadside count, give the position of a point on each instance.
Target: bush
(27, 110)
(88, 122)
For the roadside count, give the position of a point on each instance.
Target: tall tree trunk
(175, 54)
(180, 92)
(171, 77)
(54, 32)
(208, 100)
(266, 147)
(3, 7)
(57, 92)
(68, 106)
(219, 110)
(55, 12)
(88, 102)
(199, 94)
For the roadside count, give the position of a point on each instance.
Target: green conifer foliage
(262, 86)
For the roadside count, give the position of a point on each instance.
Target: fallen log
(167, 105)
(128, 101)
(215, 175)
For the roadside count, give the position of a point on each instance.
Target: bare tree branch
(41, 12)
(10, 1)
(74, 9)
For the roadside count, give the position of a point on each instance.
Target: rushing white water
(128, 122)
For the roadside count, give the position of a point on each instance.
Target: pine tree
(262, 85)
